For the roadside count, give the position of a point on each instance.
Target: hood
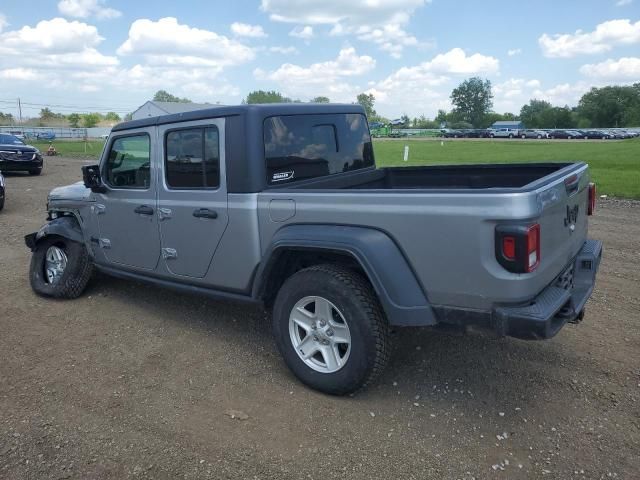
(12, 147)
(75, 191)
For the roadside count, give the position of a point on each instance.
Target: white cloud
(50, 36)
(456, 61)
(606, 36)
(627, 68)
(324, 78)
(510, 95)
(87, 8)
(305, 32)
(290, 50)
(424, 88)
(166, 42)
(3, 22)
(329, 12)
(564, 93)
(56, 44)
(380, 22)
(391, 38)
(63, 55)
(23, 74)
(622, 3)
(514, 51)
(246, 30)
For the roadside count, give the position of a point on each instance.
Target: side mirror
(92, 179)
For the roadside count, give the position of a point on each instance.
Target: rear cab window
(299, 147)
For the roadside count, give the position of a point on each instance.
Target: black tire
(354, 297)
(539, 137)
(2, 202)
(492, 136)
(75, 277)
(523, 137)
(36, 171)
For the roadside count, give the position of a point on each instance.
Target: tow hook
(578, 318)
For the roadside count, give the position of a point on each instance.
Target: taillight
(591, 207)
(518, 247)
(533, 247)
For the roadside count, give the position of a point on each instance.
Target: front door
(126, 212)
(192, 195)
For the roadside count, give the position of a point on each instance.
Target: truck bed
(444, 218)
(445, 177)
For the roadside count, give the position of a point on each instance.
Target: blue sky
(83, 55)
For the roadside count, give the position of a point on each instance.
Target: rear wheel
(330, 329)
(60, 268)
(539, 137)
(510, 135)
(35, 171)
(523, 136)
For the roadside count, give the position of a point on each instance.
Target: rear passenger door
(192, 195)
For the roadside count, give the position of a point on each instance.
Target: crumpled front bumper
(561, 302)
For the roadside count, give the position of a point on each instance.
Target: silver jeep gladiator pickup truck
(283, 205)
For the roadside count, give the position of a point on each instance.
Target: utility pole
(20, 114)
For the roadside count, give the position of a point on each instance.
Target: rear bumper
(544, 315)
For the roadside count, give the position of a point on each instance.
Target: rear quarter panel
(448, 237)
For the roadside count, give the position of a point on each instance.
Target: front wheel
(60, 268)
(330, 329)
(523, 136)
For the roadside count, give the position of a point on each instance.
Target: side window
(128, 164)
(192, 158)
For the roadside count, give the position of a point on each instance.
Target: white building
(156, 109)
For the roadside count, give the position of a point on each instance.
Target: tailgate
(563, 220)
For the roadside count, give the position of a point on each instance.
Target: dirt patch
(132, 381)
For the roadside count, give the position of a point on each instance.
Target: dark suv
(15, 156)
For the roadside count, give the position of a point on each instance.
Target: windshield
(10, 140)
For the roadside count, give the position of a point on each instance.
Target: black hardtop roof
(263, 110)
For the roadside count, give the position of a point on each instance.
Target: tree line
(472, 100)
(49, 118)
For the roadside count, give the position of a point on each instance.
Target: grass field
(615, 165)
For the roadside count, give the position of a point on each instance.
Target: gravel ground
(130, 381)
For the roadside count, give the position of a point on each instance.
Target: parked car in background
(533, 134)
(2, 192)
(46, 136)
(575, 134)
(597, 135)
(504, 133)
(453, 134)
(18, 134)
(617, 135)
(564, 134)
(16, 156)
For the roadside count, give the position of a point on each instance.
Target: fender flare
(393, 280)
(66, 227)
